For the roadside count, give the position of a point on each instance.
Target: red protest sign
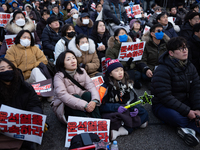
(98, 81)
(131, 49)
(135, 11)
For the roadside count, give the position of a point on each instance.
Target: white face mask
(75, 16)
(20, 22)
(158, 13)
(86, 21)
(25, 42)
(84, 47)
(53, 2)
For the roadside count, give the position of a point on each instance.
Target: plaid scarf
(179, 63)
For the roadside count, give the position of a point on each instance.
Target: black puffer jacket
(40, 27)
(175, 88)
(186, 30)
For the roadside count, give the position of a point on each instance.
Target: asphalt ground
(156, 136)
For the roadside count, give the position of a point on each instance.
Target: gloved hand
(134, 113)
(121, 109)
(121, 23)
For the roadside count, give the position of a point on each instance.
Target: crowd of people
(76, 36)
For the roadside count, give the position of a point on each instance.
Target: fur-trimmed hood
(15, 29)
(80, 24)
(111, 41)
(78, 53)
(146, 37)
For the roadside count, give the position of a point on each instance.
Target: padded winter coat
(81, 28)
(174, 87)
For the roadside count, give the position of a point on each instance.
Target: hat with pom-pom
(112, 64)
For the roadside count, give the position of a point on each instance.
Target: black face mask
(71, 34)
(180, 9)
(7, 76)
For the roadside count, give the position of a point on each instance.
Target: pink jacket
(64, 90)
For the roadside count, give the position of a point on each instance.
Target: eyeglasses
(181, 49)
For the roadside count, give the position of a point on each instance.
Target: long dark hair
(60, 63)
(95, 28)
(7, 92)
(19, 35)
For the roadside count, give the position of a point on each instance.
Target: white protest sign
(170, 19)
(98, 81)
(135, 11)
(146, 29)
(20, 124)
(78, 125)
(131, 49)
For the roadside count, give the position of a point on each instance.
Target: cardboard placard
(146, 29)
(43, 88)
(78, 125)
(131, 49)
(98, 81)
(20, 124)
(135, 10)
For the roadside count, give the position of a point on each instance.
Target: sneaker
(144, 125)
(188, 135)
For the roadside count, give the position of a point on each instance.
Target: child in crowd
(115, 93)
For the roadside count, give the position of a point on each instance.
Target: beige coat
(64, 89)
(25, 58)
(89, 58)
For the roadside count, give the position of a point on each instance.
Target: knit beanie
(132, 22)
(73, 10)
(112, 64)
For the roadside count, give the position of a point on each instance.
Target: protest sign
(78, 125)
(131, 49)
(135, 10)
(146, 29)
(98, 81)
(43, 88)
(20, 124)
(103, 65)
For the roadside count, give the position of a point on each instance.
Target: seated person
(152, 18)
(30, 12)
(173, 13)
(135, 30)
(17, 93)
(168, 28)
(74, 16)
(67, 7)
(155, 46)
(25, 56)
(176, 90)
(15, 25)
(95, 14)
(67, 33)
(181, 11)
(114, 46)
(42, 23)
(84, 25)
(50, 36)
(194, 7)
(85, 51)
(115, 93)
(100, 36)
(71, 99)
(55, 12)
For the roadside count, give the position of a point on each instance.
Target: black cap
(52, 19)
(55, 5)
(84, 15)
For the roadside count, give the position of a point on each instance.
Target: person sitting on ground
(30, 12)
(193, 47)
(115, 93)
(25, 56)
(74, 16)
(168, 28)
(176, 90)
(194, 7)
(85, 51)
(191, 19)
(95, 14)
(114, 46)
(173, 13)
(51, 4)
(5, 8)
(55, 12)
(135, 30)
(67, 7)
(181, 11)
(42, 23)
(155, 46)
(152, 18)
(17, 93)
(15, 25)
(84, 25)
(67, 33)
(50, 36)
(100, 36)
(71, 98)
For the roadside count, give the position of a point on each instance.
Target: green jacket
(114, 48)
(152, 52)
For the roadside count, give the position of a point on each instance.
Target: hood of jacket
(112, 41)
(147, 37)
(15, 29)
(80, 24)
(78, 53)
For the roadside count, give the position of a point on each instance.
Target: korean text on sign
(131, 49)
(98, 81)
(135, 10)
(20, 124)
(77, 125)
